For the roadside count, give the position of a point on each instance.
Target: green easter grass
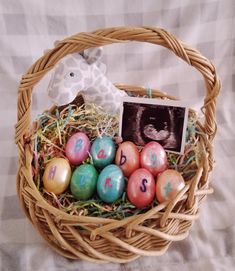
(51, 132)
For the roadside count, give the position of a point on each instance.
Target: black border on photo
(143, 120)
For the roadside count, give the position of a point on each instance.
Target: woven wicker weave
(108, 240)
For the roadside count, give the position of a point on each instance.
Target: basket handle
(102, 37)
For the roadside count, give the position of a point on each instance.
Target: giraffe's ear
(93, 54)
(47, 50)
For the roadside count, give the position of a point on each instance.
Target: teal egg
(103, 151)
(83, 182)
(110, 184)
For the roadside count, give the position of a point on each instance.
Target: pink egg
(77, 148)
(127, 158)
(153, 157)
(169, 183)
(141, 188)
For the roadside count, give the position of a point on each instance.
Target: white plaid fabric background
(28, 27)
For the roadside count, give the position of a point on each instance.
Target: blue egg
(110, 184)
(103, 151)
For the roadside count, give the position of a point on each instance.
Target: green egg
(83, 182)
(103, 151)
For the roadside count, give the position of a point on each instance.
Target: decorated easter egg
(103, 151)
(77, 148)
(141, 188)
(127, 158)
(153, 158)
(110, 184)
(83, 182)
(57, 175)
(169, 183)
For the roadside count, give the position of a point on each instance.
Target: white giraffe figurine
(84, 73)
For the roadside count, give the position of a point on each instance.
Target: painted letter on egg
(78, 145)
(143, 187)
(122, 159)
(52, 172)
(101, 154)
(107, 183)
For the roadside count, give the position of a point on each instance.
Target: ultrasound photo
(143, 120)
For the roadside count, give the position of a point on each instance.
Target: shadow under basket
(100, 239)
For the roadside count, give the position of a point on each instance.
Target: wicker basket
(101, 239)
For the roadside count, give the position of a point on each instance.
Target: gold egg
(57, 175)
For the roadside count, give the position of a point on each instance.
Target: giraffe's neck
(102, 92)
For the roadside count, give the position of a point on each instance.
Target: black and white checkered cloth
(29, 27)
